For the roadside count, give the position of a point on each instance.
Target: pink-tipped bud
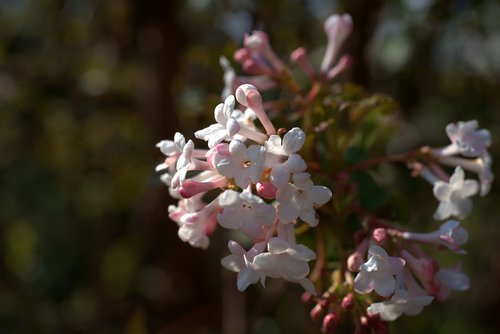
(241, 55)
(266, 190)
(242, 94)
(317, 312)
(344, 63)
(306, 297)
(189, 188)
(250, 97)
(257, 41)
(252, 66)
(300, 57)
(222, 149)
(379, 235)
(330, 323)
(347, 302)
(354, 261)
(337, 28)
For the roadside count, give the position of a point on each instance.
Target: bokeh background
(88, 87)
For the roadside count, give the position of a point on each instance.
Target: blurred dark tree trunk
(365, 14)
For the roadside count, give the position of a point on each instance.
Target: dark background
(88, 87)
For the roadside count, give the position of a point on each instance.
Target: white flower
(449, 235)
(241, 261)
(466, 139)
(400, 303)
(300, 199)
(378, 273)
(480, 165)
(246, 211)
(452, 236)
(171, 149)
(243, 164)
(286, 261)
(192, 221)
(225, 128)
(454, 196)
(182, 165)
(276, 151)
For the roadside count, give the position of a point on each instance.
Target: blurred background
(88, 87)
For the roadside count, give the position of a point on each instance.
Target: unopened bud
(307, 297)
(241, 55)
(347, 302)
(317, 312)
(379, 235)
(266, 190)
(354, 261)
(330, 323)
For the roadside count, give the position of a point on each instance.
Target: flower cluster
(263, 190)
(252, 179)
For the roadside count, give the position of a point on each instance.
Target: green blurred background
(88, 87)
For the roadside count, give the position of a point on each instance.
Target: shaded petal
(443, 211)
(293, 141)
(246, 277)
(384, 284)
(469, 188)
(319, 194)
(363, 282)
(233, 263)
(442, 190)
(277, 246)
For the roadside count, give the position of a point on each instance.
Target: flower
(276, 149)
(243, 164)
(401, 303)
(246, 211)
(454, 196)
(286, 260)
(466, 139)
(378, 273)
(241, 261)
(171, 149)
(225, 128)
(480, 165)
(300, 199)
(194, 220)
(449, 235)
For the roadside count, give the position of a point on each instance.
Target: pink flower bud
(241, 55)
(257, 41)
(354, 261)
(299, 57)
(337, 29)
(317, 312)
(330, 323)
(347, 302)
(344, 63)
(266, 190)
(379, 235)
(306, 297)
(189, 188)
(250, 97)
(252, 66)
